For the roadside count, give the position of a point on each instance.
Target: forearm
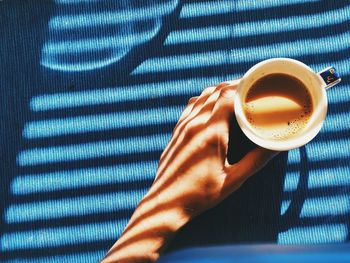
(149, 230)
(193, 176)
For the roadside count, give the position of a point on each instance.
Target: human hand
(193, 170)
(193, 175)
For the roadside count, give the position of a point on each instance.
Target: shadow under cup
(311, 81)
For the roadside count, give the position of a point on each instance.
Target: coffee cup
(281, 103)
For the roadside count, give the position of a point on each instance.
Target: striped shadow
(61, 236)
(220, 57)
(136, 119)
(327, 149)
(324, 206)
(238, 31)
(319, 234)
(116, 43)
(143, 91)
(243, 5)
(76, 179)
(93, 256)
(69, 207)
(200, 9)
(81, 21)
(128, 29)
(319, 178)
(101, 122)
(117, 147)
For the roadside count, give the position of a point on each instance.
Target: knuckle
(227, 84)
(192, 100)
(226, 92)
(189, 131)
(181, 127)
(221, 85)
(209, 89)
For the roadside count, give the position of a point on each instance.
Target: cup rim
(278, 145)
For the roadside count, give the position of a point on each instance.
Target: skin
(193, 175)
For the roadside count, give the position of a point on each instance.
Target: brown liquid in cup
(278, 106)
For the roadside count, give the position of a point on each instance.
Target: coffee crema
(278, 106)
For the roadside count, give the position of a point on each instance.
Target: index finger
(223, 108)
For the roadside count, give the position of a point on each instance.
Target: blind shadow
(250, 215)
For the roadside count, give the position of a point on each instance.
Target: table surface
(91, 90)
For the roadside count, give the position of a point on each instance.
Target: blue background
(91, 90)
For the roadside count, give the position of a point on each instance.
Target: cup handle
(329, 77)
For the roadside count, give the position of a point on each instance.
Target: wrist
(161, 209)
(152, 226)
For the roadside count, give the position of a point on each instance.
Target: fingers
(188, 108)
(214, 117)
(195, 107)
(208, 96)
(201, 100)
(221, 98)
(230, 83)
(223, 108)
(249, 165)
(221, 114)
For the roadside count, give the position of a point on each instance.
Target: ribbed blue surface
(84, 154)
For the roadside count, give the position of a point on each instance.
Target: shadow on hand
(249, 215)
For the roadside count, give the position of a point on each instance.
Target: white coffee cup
(316, 83)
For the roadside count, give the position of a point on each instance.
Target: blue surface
(262, 254)
(91, 90)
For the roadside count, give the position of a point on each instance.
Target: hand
(193, 176)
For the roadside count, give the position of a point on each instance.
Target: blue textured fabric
(339, 253)
(91, 90)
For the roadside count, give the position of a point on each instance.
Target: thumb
(251, 163)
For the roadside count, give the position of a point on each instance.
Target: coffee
(278, 106)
